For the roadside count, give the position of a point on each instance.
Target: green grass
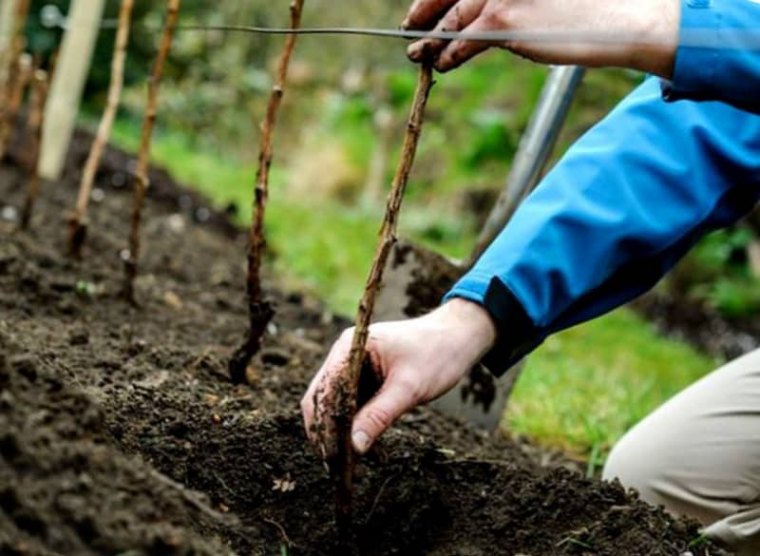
(586, 386)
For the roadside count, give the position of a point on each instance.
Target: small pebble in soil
(98, 195)
(173, 300)
(202, 214)
(252, 376)
(124, 255)
(9, 214)
(177, 223)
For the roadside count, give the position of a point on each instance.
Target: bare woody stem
(346, 405)
(35, 125)
(18, 38)
(19, 78)
(141, 173)
(17, 46)
(77, 223)
(18, 41)
(259, 309)
(261, 193)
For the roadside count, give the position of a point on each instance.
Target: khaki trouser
(699, 455)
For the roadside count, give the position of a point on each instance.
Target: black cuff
(670, 94)
(517, 335)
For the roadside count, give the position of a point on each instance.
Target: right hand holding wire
(642, 35)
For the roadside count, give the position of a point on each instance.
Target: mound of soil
(121, 434)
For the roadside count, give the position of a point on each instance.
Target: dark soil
(120, 432)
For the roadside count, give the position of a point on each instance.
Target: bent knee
(650, 464)
(630, 464)
(655, 467)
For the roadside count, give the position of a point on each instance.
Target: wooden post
(77, 221)
(71, 73)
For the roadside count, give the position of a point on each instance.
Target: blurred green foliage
(585, 387)
(718, 273)
(43, 41)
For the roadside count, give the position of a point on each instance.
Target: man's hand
(643, 34)
(416, 361)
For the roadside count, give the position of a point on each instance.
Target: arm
(718, 57)
(625, 203)
(640, 35)
(616, 213)
(703, 49)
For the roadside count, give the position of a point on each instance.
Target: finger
(459, 51)
(424, 13)
(457, 18)
(319, 387)
(307, 406)
(393, 400)
(326, 400)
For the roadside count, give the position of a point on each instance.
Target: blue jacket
(633, 194)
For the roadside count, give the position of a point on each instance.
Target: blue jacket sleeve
(624, 204)
(718, 57)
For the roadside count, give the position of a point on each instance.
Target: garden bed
(121, 434)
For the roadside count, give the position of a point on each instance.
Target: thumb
(390, 403)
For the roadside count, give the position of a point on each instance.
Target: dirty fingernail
(361, 441)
